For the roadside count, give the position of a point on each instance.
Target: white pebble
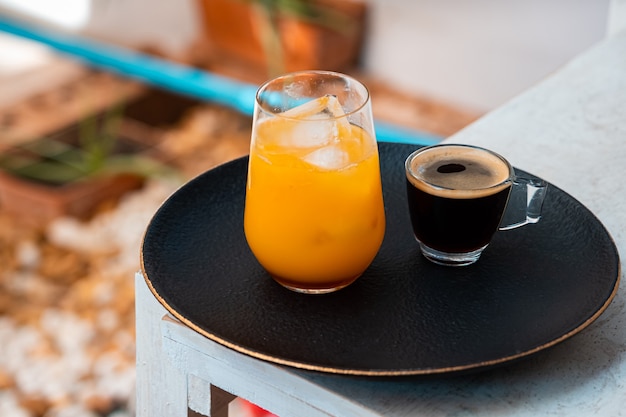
(28, 254)
(69, 332)
(73, 410)
(9, 406)
(108, 319)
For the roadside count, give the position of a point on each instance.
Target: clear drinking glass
(314, 214)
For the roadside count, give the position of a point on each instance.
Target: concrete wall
(478, 53)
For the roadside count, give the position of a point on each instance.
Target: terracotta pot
(74, 194)
(234, 32)
(141, 131)
(37, 203)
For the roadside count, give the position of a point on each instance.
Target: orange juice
(314, 215)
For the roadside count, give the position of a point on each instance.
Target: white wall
(478, 53)
(170, 24)
(617, 17)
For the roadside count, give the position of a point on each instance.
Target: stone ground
(67, 339)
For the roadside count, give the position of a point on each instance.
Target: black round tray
(532, 288)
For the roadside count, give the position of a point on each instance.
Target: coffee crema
(459, 172)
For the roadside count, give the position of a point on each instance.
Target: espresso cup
(457, 197)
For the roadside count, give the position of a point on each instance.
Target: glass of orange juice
(314, 214)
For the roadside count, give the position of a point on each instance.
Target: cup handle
(525, 203)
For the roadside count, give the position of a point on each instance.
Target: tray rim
(360, 372)
(458, 369)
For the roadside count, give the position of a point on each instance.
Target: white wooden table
(570, 130)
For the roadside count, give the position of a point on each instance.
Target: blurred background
(476, 54)
(107, 106)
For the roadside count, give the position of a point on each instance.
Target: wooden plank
(161, 387)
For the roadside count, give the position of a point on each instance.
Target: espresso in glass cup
(457, 196)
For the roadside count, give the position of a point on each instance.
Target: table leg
(161, 388)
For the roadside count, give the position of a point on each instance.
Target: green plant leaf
(50, 172)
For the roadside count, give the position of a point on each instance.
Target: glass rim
(409, 171)
(262, 104)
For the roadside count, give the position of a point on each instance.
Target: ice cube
(308, 109)
(329, 157)
(325, 107)
(334, 108)
(309, 134)
(316, 123)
